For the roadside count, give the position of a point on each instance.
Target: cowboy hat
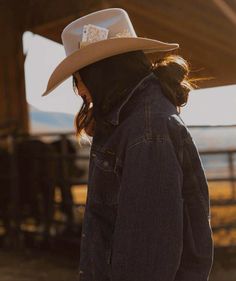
(97, 36)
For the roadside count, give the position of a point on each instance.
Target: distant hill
(43, 121)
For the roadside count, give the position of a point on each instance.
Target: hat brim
(100, 50)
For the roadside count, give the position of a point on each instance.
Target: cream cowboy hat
(96, 36)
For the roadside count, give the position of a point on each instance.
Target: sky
(210, 106)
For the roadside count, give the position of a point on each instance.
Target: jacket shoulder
(177, 126)
(179, 135)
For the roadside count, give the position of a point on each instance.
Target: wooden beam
(205, 39)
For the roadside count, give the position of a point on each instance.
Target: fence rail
(11, 141)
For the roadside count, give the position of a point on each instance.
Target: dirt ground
(41, 265)
(37, 265)
(61, 262)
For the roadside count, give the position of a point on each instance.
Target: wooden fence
(12, 139)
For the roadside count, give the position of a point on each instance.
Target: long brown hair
(173, 73)
(83, 118)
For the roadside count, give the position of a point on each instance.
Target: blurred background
(43, 171)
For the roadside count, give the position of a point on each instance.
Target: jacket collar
(113, 116)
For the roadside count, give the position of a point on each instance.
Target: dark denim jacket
(147, 214)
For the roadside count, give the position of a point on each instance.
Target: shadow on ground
(36, 265)
(58, 265)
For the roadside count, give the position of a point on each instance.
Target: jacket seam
(202, 197)
(147, 116)
(147, 137)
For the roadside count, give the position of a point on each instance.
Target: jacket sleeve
(198, 247)
(148, 234)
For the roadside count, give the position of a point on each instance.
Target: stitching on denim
(202, 197)
(179, 140)
(147, 117)
(118, 164)
(137, 141)
(198, 158)
(147, 138)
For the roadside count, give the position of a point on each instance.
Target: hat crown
(116, 20)
(92, 30)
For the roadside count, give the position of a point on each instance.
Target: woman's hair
(173, 73)
(110, 79)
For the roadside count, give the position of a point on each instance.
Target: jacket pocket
(104, 181)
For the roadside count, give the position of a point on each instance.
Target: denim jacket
(147, 212)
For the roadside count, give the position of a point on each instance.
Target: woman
(147, 213)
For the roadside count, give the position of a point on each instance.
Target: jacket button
(105, 163)
(83, 235)
(81, 271)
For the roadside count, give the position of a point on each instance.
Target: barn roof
(206, 35)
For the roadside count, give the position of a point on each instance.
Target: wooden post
(13, 106)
